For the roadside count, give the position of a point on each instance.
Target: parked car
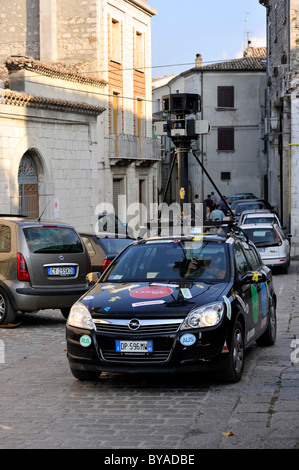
(102, 248)
(272, 244)
(262, 216)
(43, 265)
(246, 196)
(109, 222)
(174, 304)
(255, 204)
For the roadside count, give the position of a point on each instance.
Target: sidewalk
(269, 419)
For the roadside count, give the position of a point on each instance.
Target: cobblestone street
(43, 407)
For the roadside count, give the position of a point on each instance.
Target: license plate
(61, 271)
(134, 346)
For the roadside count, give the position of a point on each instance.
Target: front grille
(146, 326)
(157, 356)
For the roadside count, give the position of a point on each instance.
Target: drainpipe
(290, 148)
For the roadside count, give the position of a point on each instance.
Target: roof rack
(226, 229)
(13, 215)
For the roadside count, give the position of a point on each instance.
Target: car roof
(106, 235)
(254, 212)
(23, 220)
(263, 225)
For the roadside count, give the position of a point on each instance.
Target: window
(226, 140)
(241, 262)
(5, 238)
(225, 175)
(115, 41)
(225, 97)
(252, 258)
(139, 51)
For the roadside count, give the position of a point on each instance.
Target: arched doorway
(28, 187)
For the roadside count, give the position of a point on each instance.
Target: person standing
(217, 214)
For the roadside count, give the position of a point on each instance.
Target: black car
(102, 248)
(174, 304)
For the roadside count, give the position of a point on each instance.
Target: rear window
(262, 237)
(48, 239)
(259, 220)
(115, 245)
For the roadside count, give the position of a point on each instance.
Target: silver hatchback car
(43, 265)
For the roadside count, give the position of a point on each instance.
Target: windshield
(171, 261)
(52, 239)
(262, 236)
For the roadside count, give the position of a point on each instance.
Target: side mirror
(254, 276)
(92, 278)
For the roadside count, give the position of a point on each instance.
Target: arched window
(28, 187)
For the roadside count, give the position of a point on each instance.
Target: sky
(216, 29)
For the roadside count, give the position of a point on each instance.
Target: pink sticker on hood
(151, 292)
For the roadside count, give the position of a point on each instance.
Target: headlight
(202, 317)
(79, 316)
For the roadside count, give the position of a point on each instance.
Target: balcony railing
(128, 147)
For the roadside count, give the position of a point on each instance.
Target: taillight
(23, 274)
(105, 264)
(278, 238)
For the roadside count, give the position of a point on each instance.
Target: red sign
(151, 292)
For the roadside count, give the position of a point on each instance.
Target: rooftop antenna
(245, 30)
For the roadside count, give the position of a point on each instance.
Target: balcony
(126, 149)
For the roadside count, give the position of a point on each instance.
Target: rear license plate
(134, 346)
(61, 271)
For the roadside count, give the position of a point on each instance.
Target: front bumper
(209, 351)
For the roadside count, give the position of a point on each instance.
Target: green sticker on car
(255, 303)
(85, 341)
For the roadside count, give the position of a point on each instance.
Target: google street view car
(174, 304)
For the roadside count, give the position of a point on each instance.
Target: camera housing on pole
(182, 127)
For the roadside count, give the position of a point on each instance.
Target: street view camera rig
(182, 126)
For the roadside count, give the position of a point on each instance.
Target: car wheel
(85, 374)
(8, 314)
(268, 338)
(65, 312)
(235, 366)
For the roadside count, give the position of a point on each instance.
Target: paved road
(43, 407)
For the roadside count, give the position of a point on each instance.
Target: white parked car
(262, 216)
(272, 244)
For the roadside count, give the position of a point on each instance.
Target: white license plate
(61, 271)
(134, 346)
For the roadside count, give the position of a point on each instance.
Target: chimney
(198, 61)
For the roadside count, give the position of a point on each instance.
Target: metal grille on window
(28, 187)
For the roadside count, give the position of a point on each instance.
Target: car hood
(148, 299)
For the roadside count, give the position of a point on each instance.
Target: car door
(260, 290)
(242, 266)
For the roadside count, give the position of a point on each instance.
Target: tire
(234, 369)
(268, 338)
(85, 375)
(8, 314)
(65, 312)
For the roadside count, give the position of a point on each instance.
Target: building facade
(282, 110)
(231, 95)
(75, 108)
